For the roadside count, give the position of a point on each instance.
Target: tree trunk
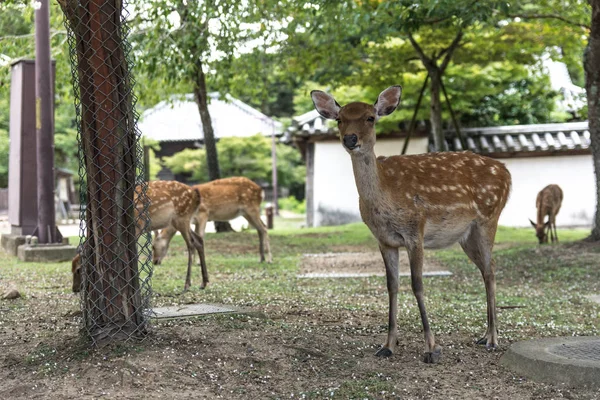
(112, 306)
(210, 144)
(592, 88)
(436, 110)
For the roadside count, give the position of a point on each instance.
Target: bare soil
(362, 263)
(283, 349)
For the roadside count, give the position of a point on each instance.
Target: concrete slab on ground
(358, 265)
(366, 274)
(46, 252)
(595, 298)
(189, 310)
(573, 361)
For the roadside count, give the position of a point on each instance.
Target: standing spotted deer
(548, 203)
(172, 204)
(421, 201)
(223, 200)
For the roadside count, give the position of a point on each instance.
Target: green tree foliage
(477, 49)
(249, 157)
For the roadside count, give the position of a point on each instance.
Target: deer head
(541, 231)
(356, 121)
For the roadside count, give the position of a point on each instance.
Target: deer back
(460, 182)
(226, 198)
(169, 200)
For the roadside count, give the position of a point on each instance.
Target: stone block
(46, 252)
(10, 243)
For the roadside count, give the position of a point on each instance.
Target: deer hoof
(384, 352)
(491, 347)
(433, 357)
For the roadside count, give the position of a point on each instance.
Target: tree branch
(450, 50)
(427, 62)
(550, 16)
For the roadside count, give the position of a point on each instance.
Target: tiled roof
(310, 123)
(501, 141)
(179, 120)
(522, 139)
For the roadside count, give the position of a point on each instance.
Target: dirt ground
(360, 263)
(278, 351)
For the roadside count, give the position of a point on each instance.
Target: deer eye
(371, 119)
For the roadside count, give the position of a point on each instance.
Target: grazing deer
(421, 201)
(224, 200)
(548, 202)
(172, 204)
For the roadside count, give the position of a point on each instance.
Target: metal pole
(46, 228)
(274, 176)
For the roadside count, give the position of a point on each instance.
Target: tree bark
(436, 72)
(592, 88)
(210, 144)
(112, 306)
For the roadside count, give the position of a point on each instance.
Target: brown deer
(223, 200)
(548, 203)
(172, 204)
(421, 201)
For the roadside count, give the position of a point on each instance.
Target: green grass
(540, 292)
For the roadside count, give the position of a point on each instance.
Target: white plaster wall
(575, 176)
(335, 194)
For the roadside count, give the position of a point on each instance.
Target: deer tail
(197, 198)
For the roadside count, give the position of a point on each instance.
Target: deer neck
(366, 175)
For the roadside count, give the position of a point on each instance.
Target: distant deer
(548, 203)
(224, 200)
(172, 204)
(421, 201)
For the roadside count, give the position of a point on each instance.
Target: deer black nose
(350, 141)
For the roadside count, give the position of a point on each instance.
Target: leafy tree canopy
(249, 157)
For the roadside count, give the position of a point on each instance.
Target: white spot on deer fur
(444, 187)
(391, 171)
(443, 168)
(408, 196)
(494, 170)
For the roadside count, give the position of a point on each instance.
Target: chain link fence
(115, 247)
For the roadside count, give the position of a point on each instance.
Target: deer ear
(388, 100)
(533, 224)
(325, 104)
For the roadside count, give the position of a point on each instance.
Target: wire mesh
(115, 246)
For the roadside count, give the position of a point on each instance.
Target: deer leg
(263, 237)
(433, 352)
(390, 259)
(200, 229)
(184, 228)
(553, 225)
(199, 245)
(478, 247)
